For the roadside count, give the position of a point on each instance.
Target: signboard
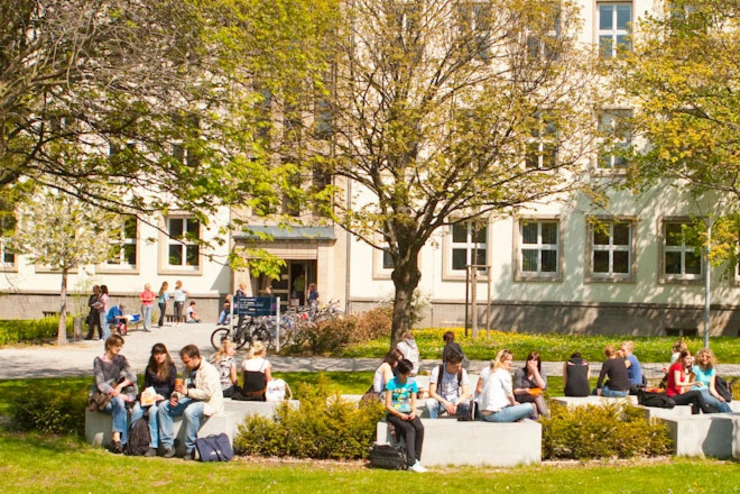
(254, 306)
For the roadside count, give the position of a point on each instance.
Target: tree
(447, 112)
(63, 233)
(681, 77)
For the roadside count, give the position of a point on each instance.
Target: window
(614, 26)
(7, 225)
(469, 246)
(182, 247)
(681, 261)
(543, 44)
(123, 243)
(388, 261)
(542, 148)
(474, 20)
(537, 250)
(614, 125)
(611, 252)
(680, 332)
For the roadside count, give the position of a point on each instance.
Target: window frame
(624, 142)
(544, 135)
(614, 32)
(591, 248)
(166, 240)
(449, 246)
(121, 267)
(683, 278)
(518, 258)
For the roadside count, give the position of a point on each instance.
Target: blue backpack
(214, 448)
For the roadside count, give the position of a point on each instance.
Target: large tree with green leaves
(443, 112)
(681, 76)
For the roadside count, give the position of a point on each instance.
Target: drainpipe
(348, 250)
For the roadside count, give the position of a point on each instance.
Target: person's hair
(221, 353)
(192, 303)
(453, 356)
(147, 286)
(104, 289)
(408, 335)
(257, 349)
(679, 346)
(609, 351)
(628, 345)
(575, 355)
(163, 288)
(113, 340)
(712, 359)
(96, 288)
(501, 357)
(404, 367)
(311, 286)
(178, 283)
(448, 337)
(392, 357)
(535, 356)
(162, 370)
(684, 353)
(191, 351)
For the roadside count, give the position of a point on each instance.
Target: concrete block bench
(650, 412)
(98, 428)
(240, 409)
(714, 435)
(449, 442)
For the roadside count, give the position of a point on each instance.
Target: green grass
(32, 463)
(551, 346)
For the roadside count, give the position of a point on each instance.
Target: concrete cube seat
(650, 412)
(449, 442)
(714, 435)
(240, 409)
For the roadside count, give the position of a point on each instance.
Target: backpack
(214, 448)
(657, 400)
(388, 457)
(723, 388)
(138, 438)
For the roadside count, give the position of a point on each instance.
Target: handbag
(214, 448)
(370, 396)
(388, 457)
(98, 401)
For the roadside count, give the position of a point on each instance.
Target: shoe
(190, 455)
(416, 467)
(86, 338)
(116, 448)
(168, 453)
(151, 453)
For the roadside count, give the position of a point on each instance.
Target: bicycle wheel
(262, 334)
(218, 337)
(240, 336)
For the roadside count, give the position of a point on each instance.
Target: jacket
(207, 382)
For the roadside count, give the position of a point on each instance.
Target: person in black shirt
(613, 368)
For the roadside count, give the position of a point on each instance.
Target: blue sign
(253, 306)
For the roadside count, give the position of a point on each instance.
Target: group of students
(497, 397)
(198, 395)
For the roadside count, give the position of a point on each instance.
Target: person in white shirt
(497, 403)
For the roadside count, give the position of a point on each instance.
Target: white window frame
(545, 137)
(118, 244)
(470, 245)
(611, 121)
(380, 271)
(611, 248)
(683, 249)
(469, 14)
(169, 241)
(519, 247)
(614, 32)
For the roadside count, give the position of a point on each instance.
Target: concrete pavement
(76, 358)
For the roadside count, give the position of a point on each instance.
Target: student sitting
(190, 313)
(530, 382)
(634, 369)
(448, 392)
(706, 377)
(117, 319)
(613, 368)
(497, 401)
(576, 373)
(400, 406)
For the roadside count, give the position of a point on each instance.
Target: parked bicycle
(252, 329)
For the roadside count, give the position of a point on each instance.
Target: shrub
(20, 330)
(606, 431)
(372, 324)
(330, 337)
(49, 411)
(322, 427)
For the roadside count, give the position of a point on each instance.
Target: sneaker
(151, 452)
(416, 467)
(190, 455)
(168, 453)
(116, 448)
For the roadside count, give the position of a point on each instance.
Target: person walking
(147, 306)
(93, 318)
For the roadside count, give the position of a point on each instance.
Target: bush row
(330, 337)
(51, 411)
(22, 330)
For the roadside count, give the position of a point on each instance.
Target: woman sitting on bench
(256, 373)
(497, 401)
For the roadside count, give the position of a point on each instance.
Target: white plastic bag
(276, 390)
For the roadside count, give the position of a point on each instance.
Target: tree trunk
(62, 330)
(406, 276)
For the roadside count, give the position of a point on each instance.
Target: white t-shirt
(496, 389)
(448, 388)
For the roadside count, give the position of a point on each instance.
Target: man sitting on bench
(448, 389)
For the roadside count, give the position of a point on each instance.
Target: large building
(562, 266)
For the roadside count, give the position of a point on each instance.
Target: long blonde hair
(221, 353)
(712, 359)
(256, 350)
(501, 357)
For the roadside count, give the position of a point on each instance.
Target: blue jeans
(709, 399)
(117, 408)
(192, 412)
(509, 414)
(436, 408)
(153, 420)
(104, 324)
(162, 310)
(611, 393)
(146, 315)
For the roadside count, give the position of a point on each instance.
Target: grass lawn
(32, 463)
(551, 346)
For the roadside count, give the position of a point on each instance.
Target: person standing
(179, 296)
(93, 318)
(104, 300)
(313, 295)
(147, 306)
(162, 298)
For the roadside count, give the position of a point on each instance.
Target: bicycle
(250, 330)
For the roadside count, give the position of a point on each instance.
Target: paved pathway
(77, 357)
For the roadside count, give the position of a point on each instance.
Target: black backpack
(658, 400)
(388, 457)
(138, 438)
